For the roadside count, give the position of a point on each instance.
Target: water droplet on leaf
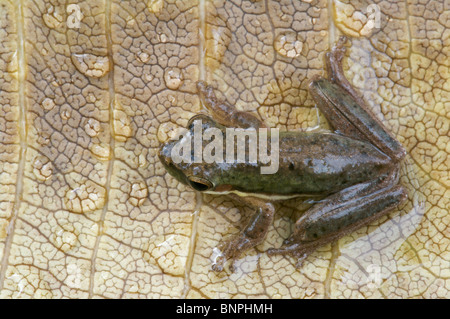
(138, 193)
(92, 127)
(85, 197)
(101, 151)
(173, 78)
(52, 19)
(143, 57)
(91, 65)
(48, 104)
(122, 125)
(64, 236)
(289, 44)
(155, 6)
(42, 168)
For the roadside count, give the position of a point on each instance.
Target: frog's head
(165, 156)
(187, 172)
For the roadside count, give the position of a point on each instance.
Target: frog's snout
(165, 157)
(164, 154)
(162, 150)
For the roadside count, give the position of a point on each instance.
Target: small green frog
(355, 168)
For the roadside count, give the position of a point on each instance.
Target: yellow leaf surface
(89, 90)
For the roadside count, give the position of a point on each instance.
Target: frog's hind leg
(341, 214)
(346, 110)
(333, 62)
(225, 113)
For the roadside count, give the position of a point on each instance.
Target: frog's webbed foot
(253, 234)
(297, 251)
(231, 250)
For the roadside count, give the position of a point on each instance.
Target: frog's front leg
(256, 230)
(253, 234)
(225, 113)
(341, 214)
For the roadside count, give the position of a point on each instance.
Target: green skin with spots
(309, 164)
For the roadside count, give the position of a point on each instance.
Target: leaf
(89, 92)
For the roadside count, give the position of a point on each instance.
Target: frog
(353, 169)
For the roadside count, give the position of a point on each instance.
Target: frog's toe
(290, 248)
(217, 266)
(287, 249)
(201, 86)
(230, 251)
(296, 251)
(338, 50)
(340, 45)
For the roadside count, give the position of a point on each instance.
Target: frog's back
(314, 163)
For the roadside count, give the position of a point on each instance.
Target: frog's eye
(199, 184)
(203, 119)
